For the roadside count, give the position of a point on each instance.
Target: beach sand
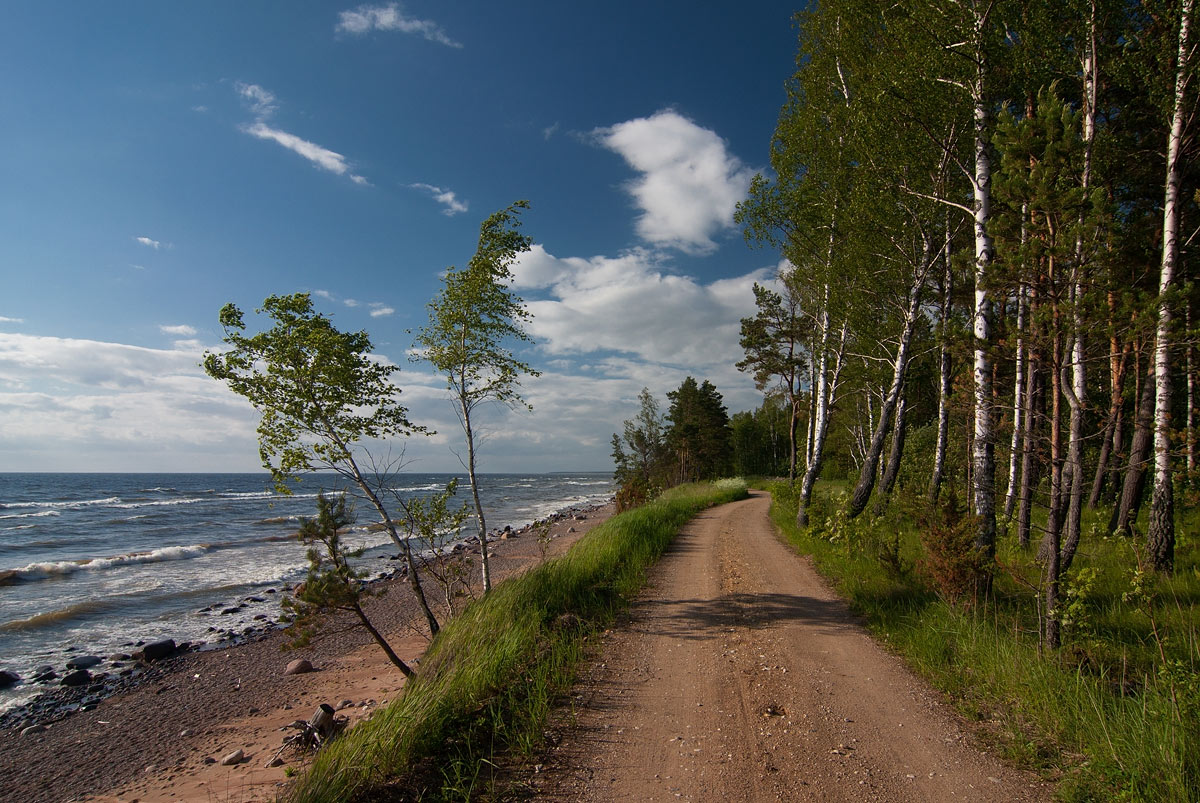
(165, 739)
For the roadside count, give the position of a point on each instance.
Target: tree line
(986, 209)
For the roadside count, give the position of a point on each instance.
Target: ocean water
(94, 561)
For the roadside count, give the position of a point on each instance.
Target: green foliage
(760, 439)
(492, 675)
(435, 523)
(699, 434)
(952, 563)
(641, 456)
(1111, 716)
(318, 389)
(473, 322)
(331, 583)
(475, 317)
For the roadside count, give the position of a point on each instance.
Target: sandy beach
(164, 740)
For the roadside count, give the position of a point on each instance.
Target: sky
(158, 160)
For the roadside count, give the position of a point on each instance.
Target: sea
(92, 562)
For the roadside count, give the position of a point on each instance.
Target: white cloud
(6, 319)
(146, 241)
(549, 131)
(689, 184)
(630, 304)
(71, 403)
(261, 101)
(381, 311)
(179, 329)
(447, 198)
(391, 18)
(321, 157)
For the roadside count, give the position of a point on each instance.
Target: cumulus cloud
(381, 310)
(182, 329)
(689, 184)
(390, 17)
(263, 104)
(451, 206)
(631, 304)
(146, 241)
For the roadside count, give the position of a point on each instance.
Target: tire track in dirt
(740, 676)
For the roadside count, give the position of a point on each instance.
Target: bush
(951, 563)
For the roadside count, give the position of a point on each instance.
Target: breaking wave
(61, 568)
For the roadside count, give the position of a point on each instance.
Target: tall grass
(1113, 715)
(489, 679)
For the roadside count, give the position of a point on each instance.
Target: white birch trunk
(982, 452)
(1161, 536)
(1010, 495)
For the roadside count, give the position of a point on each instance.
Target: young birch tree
(473, 321)
(321, 395)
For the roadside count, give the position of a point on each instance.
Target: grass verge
(1113, 715)
(490, 678)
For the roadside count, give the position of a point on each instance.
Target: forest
(978, 360)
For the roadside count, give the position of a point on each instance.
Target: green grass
(1113, 715)
(490, 678)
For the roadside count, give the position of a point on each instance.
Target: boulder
(158, 650)
(299, 667)
(8, 678)
(236, 757)
(80, 677)
(84, 662)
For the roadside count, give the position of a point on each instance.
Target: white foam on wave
(108, 500)
(39, 515)
(61, 568)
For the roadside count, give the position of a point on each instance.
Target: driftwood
(311, 735)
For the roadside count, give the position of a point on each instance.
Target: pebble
(298, 667)
(236, 757)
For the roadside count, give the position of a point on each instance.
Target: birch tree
(1161, 533)
(473, 322)
(321, 395)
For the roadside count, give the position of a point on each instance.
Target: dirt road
(741, 677)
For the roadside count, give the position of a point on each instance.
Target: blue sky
(158, 160)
